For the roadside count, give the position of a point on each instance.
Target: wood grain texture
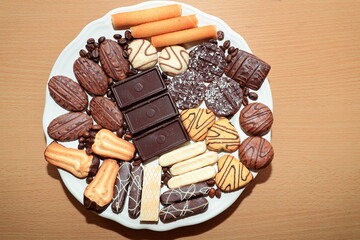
(310, 191)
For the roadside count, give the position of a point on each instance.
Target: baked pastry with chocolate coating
(256, 119)
(121, 187)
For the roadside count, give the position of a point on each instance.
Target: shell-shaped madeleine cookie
(223, 136)
(232, 174)
(197, 122)
(142, 55)
(174, 60)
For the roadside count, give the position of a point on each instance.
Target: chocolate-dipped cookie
(184, 193)
(256, 153)
(106, 113)
(135, 190)
(223, 97)
(121, 187)
(256, 119)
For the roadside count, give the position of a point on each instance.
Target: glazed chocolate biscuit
(256, 119)
(223, 97)
(184, 193)
(247, 69)
(106, 113)
(121, 187)
(183, 209)
(136, 182)
(256, 153)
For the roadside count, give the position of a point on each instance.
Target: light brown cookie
(232, 174)
(197, 122)
(174, 60)
(223, 136)
(142, 55)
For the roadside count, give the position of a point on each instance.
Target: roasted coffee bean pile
(213, 192)
(87, 139)
(165, 176)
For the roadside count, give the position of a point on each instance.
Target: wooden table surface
(310, 191)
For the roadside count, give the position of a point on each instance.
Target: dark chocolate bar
(185, 193)
(138, 87)
(161, 139)
(150, 113)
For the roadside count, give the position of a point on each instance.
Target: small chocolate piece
(224, 97)
(117, 36)
(256, 119)
(121, 187)
(112, 60)
(187, 90)
(69, 126)
(184, 193)
(209, 60)
(135, 191)
(82, 53)
(161, 139)
(218, 193)
(256, 153)
(212, 192)
(90, 76)
(106, 113)
(138, 87)
(247, 69)
(231, 50)
(150, 113)
(183, 209)
(67, 93)
(253, 96)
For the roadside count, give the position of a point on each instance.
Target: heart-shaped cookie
(232, 174)
(197, 122)
(223, 136)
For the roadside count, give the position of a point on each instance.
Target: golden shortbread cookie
(223, 136)
(197, 122)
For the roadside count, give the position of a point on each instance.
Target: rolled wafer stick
(164, 26)
(184, 36)
(121, 20)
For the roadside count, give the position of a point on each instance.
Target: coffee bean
(91, 140)
(162, 177)
(246, 91)
(165, 169)
(101, 39)
(222, 48)
(96, 45)
(125, 125)
(213, 41)
(117, 36)
(89, 47)
(245, 101)
(227, 44)
(220, 35)
(89, 55)
(96, 59)
(137, 157)
(168, 175)
(89, 151)
(127, 137)
(109, 93)
(128, 35)
(137, 162)
(125, 54)
(166, 181)
(253, 96)
(167, 81)
(234, 52)
(125, 47)
(90, 41)
(231, 50)
(93, 133)
(210, 182)
(95, 53)
(86, 134)
(89, 180)
(164, 75)
(120, 133)
(96, 127)
(212, 192)
(88, 112)
(82, 53)
(228, 58)
(81, 139)
(122, 41)
(218, 193)
(81, 146)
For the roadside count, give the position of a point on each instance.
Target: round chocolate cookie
(256, 119)
(209, 60)
(187, 90)
(256, 153)
(223, 97)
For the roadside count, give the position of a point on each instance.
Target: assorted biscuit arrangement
(154, 119)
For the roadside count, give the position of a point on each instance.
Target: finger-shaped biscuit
(107, 144)
(182, 153)
(99, 193)
(135, 191)
(185, 193)
(223, 136)
(206, 159)
(74, 161)
(121, 187)
(196, 176)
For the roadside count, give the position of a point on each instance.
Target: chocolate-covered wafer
(247, 69)
(208, 60)
(183, 209)
(121, 187)
(256, 119)
(224, 97)
(135, 190)
(106, 113)
(184, 193)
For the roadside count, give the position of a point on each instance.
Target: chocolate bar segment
(160, 139)
(183, 209)
(150, 113)
(138, 87)
(137, 174)
(121, 187)
(185, 193)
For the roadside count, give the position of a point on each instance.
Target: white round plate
(64, 66)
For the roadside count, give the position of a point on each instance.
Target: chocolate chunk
(106, 113)
(184, 193)
(256, 153)
(112, 60)
(209, 60)
(67, 93)
(256, 119)
(247, 69)
(138, 87)
(90, 76)
(121, 187)
(183, 209)
(161, 139)
(135, 191)
(69, 126)
(224, 97)
(187, 90)
(150, 113)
